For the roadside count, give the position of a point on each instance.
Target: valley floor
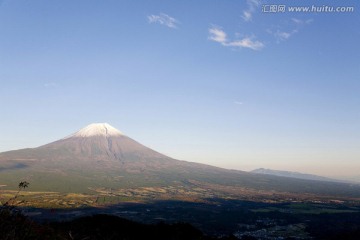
(238, 212)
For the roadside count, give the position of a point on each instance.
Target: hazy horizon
(222, 83)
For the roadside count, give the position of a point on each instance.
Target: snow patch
(97, 129)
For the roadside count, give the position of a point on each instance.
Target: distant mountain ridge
(290, 174)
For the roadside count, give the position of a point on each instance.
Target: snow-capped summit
(97, 129)
(100, 142)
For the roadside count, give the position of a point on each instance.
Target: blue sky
(216, 82)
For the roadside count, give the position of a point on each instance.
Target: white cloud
(247, 42)
(297, 21)
(247, 15)
(252, 5)
(50, 85)
(302, 22)
(163, 19)
(238, 103)
(282, 35)
(218, 35)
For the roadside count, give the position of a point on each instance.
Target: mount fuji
(100, 156)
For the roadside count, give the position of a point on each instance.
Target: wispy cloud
(51, 85)
(247, 42)
(252, 5)
(283, 35)
(163, 19)
(297, 21)
(216, 34)
(238, 103)
(302, 22)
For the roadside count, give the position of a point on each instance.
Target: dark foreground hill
(250, 221)
(99, 227)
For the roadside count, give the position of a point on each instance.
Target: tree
(22, 185)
